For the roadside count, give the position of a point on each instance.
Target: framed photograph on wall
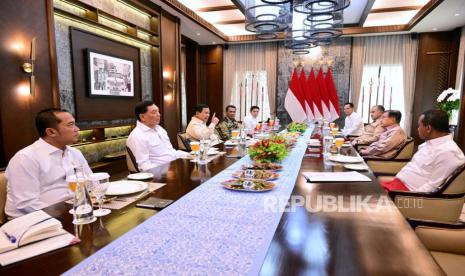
(109, 76)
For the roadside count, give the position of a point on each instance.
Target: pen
(10, 237)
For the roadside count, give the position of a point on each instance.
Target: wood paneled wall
(211, 78)
(436, 70)
(170, 45)
(20, 21)
(192, 76)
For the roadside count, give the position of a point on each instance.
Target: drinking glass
(203, 151)
(72, 185)
(234, 133)
(339, 142)
(194, 146)
(100, 182)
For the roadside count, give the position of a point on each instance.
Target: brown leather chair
(445, 242)
(394, 164)
(443, 205)
(3, 187)
(131, 161)
(183, 142)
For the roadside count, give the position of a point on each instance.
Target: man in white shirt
(353, 123)
(148, 141)
(435, 159)
(251, 120)
(197, 129)
(37, 174)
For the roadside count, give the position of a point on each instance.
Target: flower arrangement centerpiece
(449, 102)
(269, 150)
(297, 127)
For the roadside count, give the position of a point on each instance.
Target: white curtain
(254, 63)
(460, 64)
(394, 51)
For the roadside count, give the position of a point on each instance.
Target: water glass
(100, 182)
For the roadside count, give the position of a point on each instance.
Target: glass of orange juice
(334, 131)
(339, 142)
(234, 133)
(195, 146)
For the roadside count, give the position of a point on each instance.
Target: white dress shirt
(151, 146)
(353, 125)
(37, 177)
(434, 161)
(250, 122)
(198, 130)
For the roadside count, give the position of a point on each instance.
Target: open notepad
(32, 235)
(335, 177)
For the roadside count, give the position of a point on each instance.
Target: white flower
(455, 96)
(446, 93)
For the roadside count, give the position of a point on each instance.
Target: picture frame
(109, 75)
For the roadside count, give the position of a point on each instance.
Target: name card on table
(335, 177)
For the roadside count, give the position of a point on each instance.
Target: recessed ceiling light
(213, 42)
(435, 29)
(198, 33)
(457, 14)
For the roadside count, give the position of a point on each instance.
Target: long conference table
(209, 230)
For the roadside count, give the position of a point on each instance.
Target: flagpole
(384, 89)
(251, 93)
(369, 94)
(240, 102)
(256, 94)
(390, 99)
(245, 98)
(363, 101)
(263, 102)
(377, 86)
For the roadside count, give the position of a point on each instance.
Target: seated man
(372, 131)
(390, 140)
(148, 141)
(435, 159)
(197, 129)
(229, 122)
(37, 174)
(251, 120)
(353, 123)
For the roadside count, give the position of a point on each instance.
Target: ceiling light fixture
(305, 23)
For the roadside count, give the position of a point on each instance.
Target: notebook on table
(31, 235)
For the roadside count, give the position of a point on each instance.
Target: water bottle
(327, 142)
(242, 143)
(83, 209)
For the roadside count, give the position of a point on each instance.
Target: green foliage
(268, 151)
(297, 127)
(448, 106)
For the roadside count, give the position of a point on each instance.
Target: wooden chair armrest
(394, 194)
(443, 237)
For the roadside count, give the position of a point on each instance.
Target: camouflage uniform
(224, 127)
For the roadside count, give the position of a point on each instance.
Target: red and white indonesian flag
(307, 96)
(294, 103)
(334, 101)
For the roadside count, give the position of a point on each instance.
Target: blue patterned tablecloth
(209, 231)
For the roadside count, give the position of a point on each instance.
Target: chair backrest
(3, 185)
(406, 150)
(183, 142)
(131, 161)
(455, 183)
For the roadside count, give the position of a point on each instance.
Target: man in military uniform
(228, 123)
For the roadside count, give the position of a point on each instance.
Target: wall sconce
(28, 67)
(171, 84)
